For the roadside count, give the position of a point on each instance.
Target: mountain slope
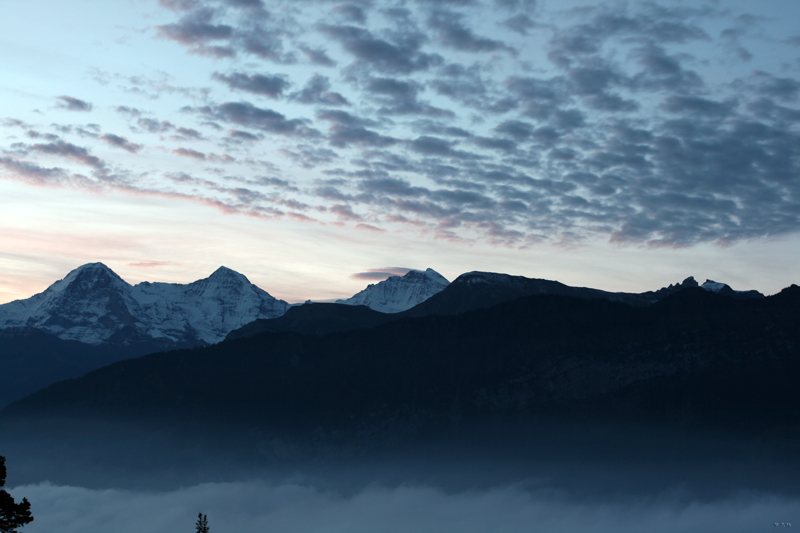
(94, 305)
(399, 293)
(538, 354)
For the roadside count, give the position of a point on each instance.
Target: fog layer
(259, 506)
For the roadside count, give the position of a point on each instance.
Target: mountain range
(499, 381)
(92, 317)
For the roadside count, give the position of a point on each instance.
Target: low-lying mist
(302, 506)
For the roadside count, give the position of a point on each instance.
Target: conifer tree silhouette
(12, 514)
(202, 523)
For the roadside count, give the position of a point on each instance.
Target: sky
(309, 144)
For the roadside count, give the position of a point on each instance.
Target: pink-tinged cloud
(152, 264)
(369, 227)
(344, 211)
(188, 152)
(69, 151)
(32, 174)
(224, 158)
(301, 217)
(73, 104)
(121, 142)
(380, 274)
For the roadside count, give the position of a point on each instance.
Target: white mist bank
(260, 507)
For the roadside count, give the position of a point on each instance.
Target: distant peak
(92, 270)
(713, 286)
(435, 276)
(93, 266)
(224, 272)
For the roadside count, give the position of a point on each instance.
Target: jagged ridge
(92, 304)
(399, 293)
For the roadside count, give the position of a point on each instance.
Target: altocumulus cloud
(622, 130)
(258, 506)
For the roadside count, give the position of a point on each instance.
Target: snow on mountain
(726, 290)
(713, 286)
(94, 305)
(399, 293)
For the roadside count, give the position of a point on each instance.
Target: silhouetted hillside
(685, 360)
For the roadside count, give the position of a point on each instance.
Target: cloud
(520, 23)
(257, 506)
(351, 13)
(155, 126)
(190, 134)
(33, 174)
(196, 28)
(270, 85)
(401, 57)
(69, 151)
(317, 91)
(454, 34)
(151, 264)
(73, 104)
(246, 114)
(121, 142)
(318, 56)
(187, 152)
(380, 274)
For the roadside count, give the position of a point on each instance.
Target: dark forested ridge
(693, 359)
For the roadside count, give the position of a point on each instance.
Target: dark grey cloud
(242, 136)
(516, 129)
(267, 85)
(246, 114)
(266, 43)
(781, 88)
(318, 56)
(437, 128)
(155, 126)
(309, 156)
(399, 97)
(493, 143)
(32, 173)
(33, 134)
(346, 129)
(187, 134)
(131, 112)
(527, 5)
(179, 5)
(121, 142)
(196, 28)
(71, 103)
(392, 187)
(188, 152)
(649, 22)
(402, 56)
(69, 151)
(344, 118)
(351, 13)
(453, 33)
(380, 274)
(317, 91)
(661, 71)
(520, 23)
(697, 106)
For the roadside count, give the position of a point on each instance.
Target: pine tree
(12, 514)
(202, 523)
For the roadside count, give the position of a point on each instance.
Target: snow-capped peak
(224, 272)
(399, 293)
(93, 304)
(713, 286)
